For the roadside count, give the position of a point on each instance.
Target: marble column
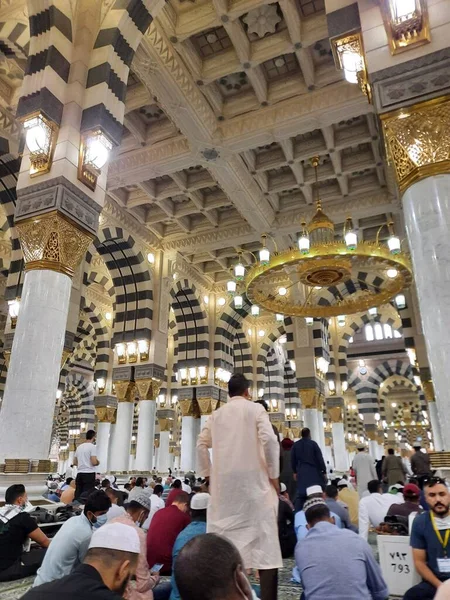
(321, 430)
(373, 449)
(310, 400)
(435, 426)
(148, 390)
(163, 452)
(105, 408)
(340, 450)
(188, 435)
(103, 429)
(121, 443)
(416, 142)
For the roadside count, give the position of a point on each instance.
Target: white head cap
(116, 536)
(342, 482)
(200, 501)
(283, 488)
(314, 489)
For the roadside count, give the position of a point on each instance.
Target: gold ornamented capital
(65, 356)
(106, 414)
(187, 407)
(148, 389)
(371, 433)
(164, 424)
(206, 405)
(125, 391)
(309, 398)
(428, 390)
(417, 140)
(53, 242)
(335, 414)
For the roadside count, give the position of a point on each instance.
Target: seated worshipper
(286, 531)
(157, 503)
(350, 498)
(86, 460)
(110, 563)
(53, 492)
(197, 526)
(68, 494)
(411, 504)
(135, 515)
(175, 490)
(17, 528)
(164, 529)
(115, 510)
(185, 486)
(373, 508)
(209, 567)
(138, 489)
(70, 544)
(430, 541)
(105, 484)
(336, 563)
(300, 523)
(331, 499)
(65, 484)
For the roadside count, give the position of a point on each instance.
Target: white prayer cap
(361, 446)
(200, 501)
(342, 482)
(116, 536)
(143, 499)
(314, 489)
(283, 488)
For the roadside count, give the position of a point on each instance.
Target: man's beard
(441, 510)
(123, 587)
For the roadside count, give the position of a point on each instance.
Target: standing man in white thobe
(364, 468)
(244, 482)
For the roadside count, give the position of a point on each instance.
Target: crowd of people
(257, 502)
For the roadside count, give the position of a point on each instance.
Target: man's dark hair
(306, 433)
(331, 491)
(135, 506)
(140, 482)
(182, 498)
(238, 385)
(97, 501)
(106, 483)
(198, 515)
(90, 435)
(200, 578)
(263, 404)
(112, 493)
(390, 450)
(127, 486)
(177, 484)
(158, 480)
(14, 492)
(373, 486)
(158, 489)
(317, 513)
(69, 480)
(417, 446)
(108, 556)
(197, 488)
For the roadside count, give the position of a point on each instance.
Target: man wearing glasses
(430, 541)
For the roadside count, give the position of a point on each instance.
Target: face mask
(99, 521)
(141, 519)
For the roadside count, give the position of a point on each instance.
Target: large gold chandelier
(325, 277)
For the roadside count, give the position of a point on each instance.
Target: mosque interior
(194, 188)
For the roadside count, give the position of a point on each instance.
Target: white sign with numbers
(396, 563)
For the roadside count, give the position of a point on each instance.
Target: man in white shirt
(373, 508)
(86, 460)
(156, 502)
(364, 468)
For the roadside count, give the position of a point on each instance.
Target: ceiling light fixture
(40, 137)
(95, 149)
(406, 23)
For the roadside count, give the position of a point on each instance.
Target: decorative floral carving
(262, 20)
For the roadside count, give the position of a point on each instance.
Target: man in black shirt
(16, 529)
(109, 564)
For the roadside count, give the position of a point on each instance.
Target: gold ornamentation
(418, 140)
(353, 44)
(7, 357)
(406, 32)
(106, 414)
(65, 356)
(148, 389)
(309, 398)
(164, 424)
(125, 391)
(52, 242)
(335, 414)
(428, 390)
(156, 444)
(186, 407)
(206, 405)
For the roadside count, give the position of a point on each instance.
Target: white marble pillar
(373, 449)
(102, 445)
(426, 207)
(321, 440)
(28, 405)
(163, 452)
(112, 437)
(120, 450)
(155, 458)
(188, 443)
(145, 435)
(311, 422)
(71, 457)
(340, 451)
(203, 420)
(435, 426)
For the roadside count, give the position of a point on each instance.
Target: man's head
(331, 492)
(342, 484)
(417, 447)
(199, 506)
(96, 507)
(306, 433)
(437, 496)
(391, 451)
(127, 487)
(374, 486)
(16, 494)
(158, 490)
(91, 435)
(361, 448)
(139, 508)
(181, 501)
(112, 494)
(238, 386)
(159, 480)
(316, 510)
(113, 552)
(106, 483)
(140, 482)
(283, 490)
(263, 404)
(411, 493)
(69, 480)
(199, 577)
(177, 484)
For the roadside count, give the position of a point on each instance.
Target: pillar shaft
(312, 423)
(121, 441)
(340, 451)
(435, 426)
(321, 431)
(188, 443)
(30, 394)
(145, 435)
(103, 433)
(163, 452)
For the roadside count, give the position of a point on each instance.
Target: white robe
(364, 467)
(244, 504)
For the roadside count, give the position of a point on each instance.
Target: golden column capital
(148, 389)
(53, 242)
(125, 391)
(417, 140)
(309, 398)
(206, 405)
(186, 407)
(106, 414)
(164, 424)
(428, 390)
(335, 414)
